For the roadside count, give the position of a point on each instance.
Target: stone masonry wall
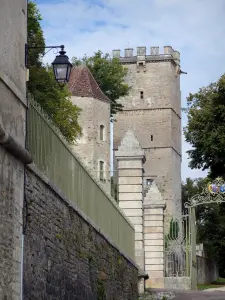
(65, 256)
(157, 84)
(90, 148)
(13, 17)
(207, 270)
(153, 111)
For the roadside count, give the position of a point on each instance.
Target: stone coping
(154, 205)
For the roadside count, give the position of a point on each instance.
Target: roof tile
(83, 84)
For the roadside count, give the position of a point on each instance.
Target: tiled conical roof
(83, 84)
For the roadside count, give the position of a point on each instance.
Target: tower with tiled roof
(94, 145)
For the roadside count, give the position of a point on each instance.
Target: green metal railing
(53, 156)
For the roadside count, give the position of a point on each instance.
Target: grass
(220, 282)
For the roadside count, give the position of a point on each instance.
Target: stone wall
(66, 257)
(177, 283)
(89, 147)
(153, 111)
(13, 17)
(158, 83)
(154, 207)
(207, 270)
(163, 163)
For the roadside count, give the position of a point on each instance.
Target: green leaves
(35, 37)
(55, 101)
(205, 130)
(42, 85)
(109, 74)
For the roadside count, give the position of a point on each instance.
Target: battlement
(141, 54)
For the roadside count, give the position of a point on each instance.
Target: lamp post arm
(27, 48)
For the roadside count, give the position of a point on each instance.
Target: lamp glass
(61, 71)
(62, 68)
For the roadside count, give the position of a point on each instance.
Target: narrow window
(151, 138)
(101, 170)
(141, 94)
(102, 127)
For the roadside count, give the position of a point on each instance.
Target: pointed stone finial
(130, 146)
(153, 195)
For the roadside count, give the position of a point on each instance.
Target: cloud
(194, 27)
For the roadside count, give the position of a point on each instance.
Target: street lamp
(61, 65)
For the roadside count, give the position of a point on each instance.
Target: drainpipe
(13, 147)
(21, 282)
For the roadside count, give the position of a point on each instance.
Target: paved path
(210, 294)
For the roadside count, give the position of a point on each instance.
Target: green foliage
(35, 37)
(205, 130)
(42, 85)
(109, 74)
(211, 232)
(192, 187)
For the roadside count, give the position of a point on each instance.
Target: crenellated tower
(152, 111)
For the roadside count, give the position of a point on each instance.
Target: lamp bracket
(28, 47)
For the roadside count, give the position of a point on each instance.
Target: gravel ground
(219, 289)
(158, 296)
(209, 294)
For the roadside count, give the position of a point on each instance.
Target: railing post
(193, 249)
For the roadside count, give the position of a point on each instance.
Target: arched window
(102, 132)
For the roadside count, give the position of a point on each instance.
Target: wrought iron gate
(179, 250)
(180, 239)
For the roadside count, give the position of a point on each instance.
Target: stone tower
(153, 112)
(94, 145)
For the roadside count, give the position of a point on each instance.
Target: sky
(195, 28)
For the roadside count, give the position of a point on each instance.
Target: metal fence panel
(53, 156)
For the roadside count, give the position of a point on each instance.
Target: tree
(54, 100)
(191, 187)
(35, 36)
(211, 232)
(205, 129)
(109, 74)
